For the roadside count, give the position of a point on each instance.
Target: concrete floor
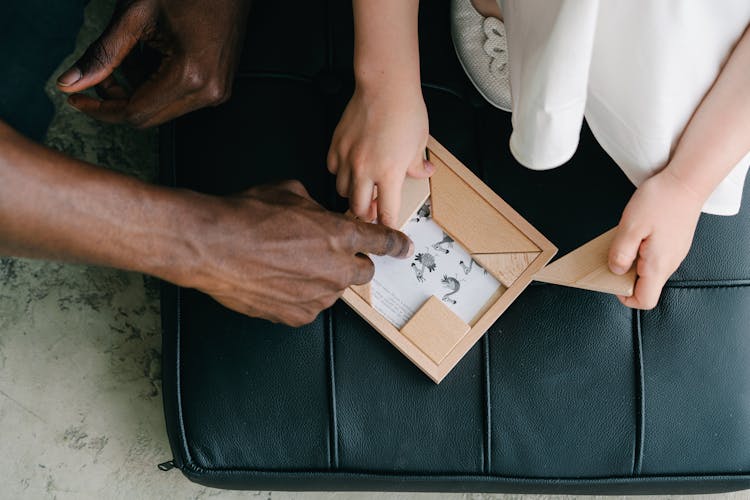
(80, 375)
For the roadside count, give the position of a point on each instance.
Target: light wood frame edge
(437, 372)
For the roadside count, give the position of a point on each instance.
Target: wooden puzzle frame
(495, 235)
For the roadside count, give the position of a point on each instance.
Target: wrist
(682, 191)
(374, 82)
(692, 176)
(174, 252)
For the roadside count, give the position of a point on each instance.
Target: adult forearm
(718, 134)
(386, 45)
(55, 207)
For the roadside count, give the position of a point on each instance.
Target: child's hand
(380, 139)
(657, 227)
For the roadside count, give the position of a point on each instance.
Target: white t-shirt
(636, 69)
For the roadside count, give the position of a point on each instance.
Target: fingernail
(617, 269)
(429, 167)
(70, 77)
(411, 249)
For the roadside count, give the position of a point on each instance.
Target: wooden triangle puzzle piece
(587, 267)
(506, 267)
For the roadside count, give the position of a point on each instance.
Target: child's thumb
(624, 249)
(421, 169)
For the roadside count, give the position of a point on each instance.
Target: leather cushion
(569, 390)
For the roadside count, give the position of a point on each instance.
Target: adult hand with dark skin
(301, 259)
(269, 252)
(197, 44)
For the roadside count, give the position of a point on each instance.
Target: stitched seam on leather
(330, 38)
(640, 393)
(487, 456)
(270, 75)
(416, 476)
(333, 443)
(441, 88)
(486, 381)
(178, 383)
(709, 284)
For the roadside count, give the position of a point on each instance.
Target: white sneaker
(483, 52)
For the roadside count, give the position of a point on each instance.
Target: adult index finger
(378, 239)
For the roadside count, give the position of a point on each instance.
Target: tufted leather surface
(568, 392)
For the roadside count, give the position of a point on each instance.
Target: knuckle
(649, 305)
(194, 78)
(216, 91)
(135, 119)
(620, 260)
(297, 319)
(295, 323)
(358, 159)
(292, 185)
(309, 315)
(324, 303)
(98, 56)
(330, 301)
(392, 177)
(295, 185)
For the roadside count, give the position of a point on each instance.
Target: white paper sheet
(440, 267)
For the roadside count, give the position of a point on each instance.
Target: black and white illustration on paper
(440, 267)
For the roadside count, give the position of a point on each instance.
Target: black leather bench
(568, 392)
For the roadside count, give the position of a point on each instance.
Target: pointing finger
(378, 239)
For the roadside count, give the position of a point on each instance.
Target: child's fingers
(332, 161)
(624, 248)
(389, 202)
(372, 214)
(343, 182)
(360, 200)
(421, 169)
(646, 293)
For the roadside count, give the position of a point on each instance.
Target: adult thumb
(104, 55)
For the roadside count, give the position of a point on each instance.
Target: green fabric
(35, 36)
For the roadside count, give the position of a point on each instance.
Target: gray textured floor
(80, 388)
